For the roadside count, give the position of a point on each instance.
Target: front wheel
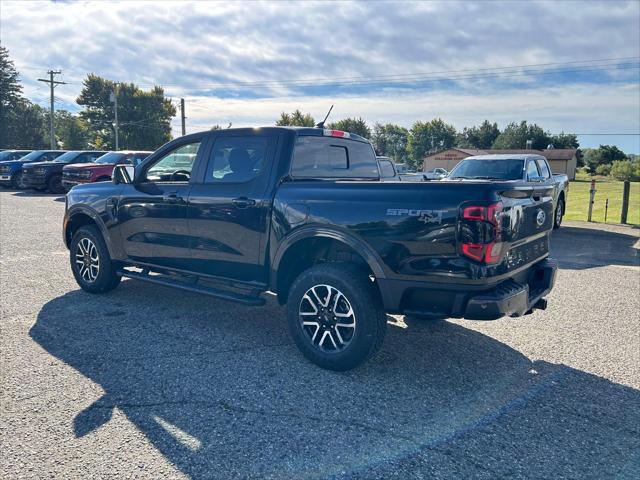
(91, 264)
(54, 185)
(335, 316)
(559, 213)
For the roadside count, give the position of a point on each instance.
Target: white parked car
(436, 174)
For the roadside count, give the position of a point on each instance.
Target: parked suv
(48, 175)
(11, 172)
(101, 169)
(302, 213)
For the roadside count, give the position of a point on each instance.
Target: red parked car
(101, 169)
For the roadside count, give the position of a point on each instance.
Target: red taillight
(474, 250)
(488, 213)
(487, 252)
(336, 133)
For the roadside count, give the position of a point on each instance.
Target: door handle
(172, 197)
(243, 202)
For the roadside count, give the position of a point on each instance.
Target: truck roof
(505, 156)
(306, 131)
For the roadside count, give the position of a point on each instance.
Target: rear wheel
(91, 264)
(559, 213)
(54, 185)
(335, 316)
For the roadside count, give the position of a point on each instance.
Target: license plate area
(527, 253)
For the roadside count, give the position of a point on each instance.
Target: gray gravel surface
(149, 382)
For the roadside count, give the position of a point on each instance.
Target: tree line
(411, 145)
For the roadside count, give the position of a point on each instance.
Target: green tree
(622, 170)
(144, 117)
(429, 137)
(481, 136)
(21, 122)
(27, 127)
(604, 154)
(565, 140)
(603, 169)
(71, 131)
(516, 135)
(295, 119)
(352, 125)
(391, 140)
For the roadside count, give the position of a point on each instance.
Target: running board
(251, 300)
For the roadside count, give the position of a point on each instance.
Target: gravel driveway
(149, 382)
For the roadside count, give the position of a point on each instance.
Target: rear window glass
(498, 169)
(386, 169)
(328, 157)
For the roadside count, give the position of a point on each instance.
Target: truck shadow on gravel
(221, 392)
(37, 193)
(582, 248)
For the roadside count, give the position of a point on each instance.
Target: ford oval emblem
(540, 218)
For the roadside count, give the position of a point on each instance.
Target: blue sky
(245, 62)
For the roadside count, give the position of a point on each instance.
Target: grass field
(578, 204)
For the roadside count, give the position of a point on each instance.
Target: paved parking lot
(148, 382)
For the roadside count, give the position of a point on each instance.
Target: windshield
(35, 155)
(67, 157)
(110, 158)
(507, 169)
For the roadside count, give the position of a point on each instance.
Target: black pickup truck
(302, 213)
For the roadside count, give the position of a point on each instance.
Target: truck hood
(85, 166)
(40, 164)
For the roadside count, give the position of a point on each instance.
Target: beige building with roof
(561, 160)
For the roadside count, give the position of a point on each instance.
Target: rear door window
(329, 157)
(532, 169)
(542, 165)
(237, 159)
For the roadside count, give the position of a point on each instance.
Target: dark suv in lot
(48, 175)
(302, 213)
(11, 170)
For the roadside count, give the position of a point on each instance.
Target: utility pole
(114, 99)
(52, 84)
(184, 129)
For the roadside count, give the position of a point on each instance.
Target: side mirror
(123, 174)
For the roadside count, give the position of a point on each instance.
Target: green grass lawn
(606, 188)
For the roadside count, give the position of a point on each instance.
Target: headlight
(39, 171)
(84, 174)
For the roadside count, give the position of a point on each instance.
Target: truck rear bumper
(512, 297)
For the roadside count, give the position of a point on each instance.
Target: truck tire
(54, 185)
(91, 264)
(558, 214)
(335, 316)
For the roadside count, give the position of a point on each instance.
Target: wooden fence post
(625, 201)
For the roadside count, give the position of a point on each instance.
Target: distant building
(561, 160)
